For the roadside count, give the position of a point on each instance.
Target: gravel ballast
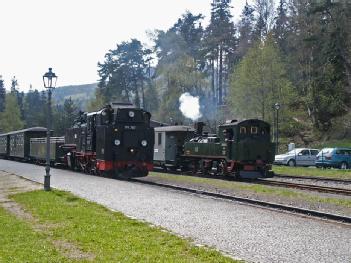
(246, 232)
(311, 200)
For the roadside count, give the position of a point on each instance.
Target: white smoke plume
(190, 106)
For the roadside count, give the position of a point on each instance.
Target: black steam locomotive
(117, 140)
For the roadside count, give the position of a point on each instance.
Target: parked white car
(298, 156)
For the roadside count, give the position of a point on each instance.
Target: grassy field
(19, 243)
(256, 188)
(75, 230)
(311, 171)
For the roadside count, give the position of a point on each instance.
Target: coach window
(159, 138)
(228, 134)
(242, 130)
(147, 117)
(254, 130)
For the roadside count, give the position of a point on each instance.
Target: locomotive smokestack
(198, 126)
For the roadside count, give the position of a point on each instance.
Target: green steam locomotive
(240, 149)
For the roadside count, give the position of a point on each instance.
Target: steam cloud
(190, 106)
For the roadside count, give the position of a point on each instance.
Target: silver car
(298, 156)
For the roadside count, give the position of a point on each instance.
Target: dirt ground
(12, 184)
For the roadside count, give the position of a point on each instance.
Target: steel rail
(310, 187)
(317, 178)
(258, 203)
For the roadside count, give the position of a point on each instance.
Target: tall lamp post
(49, 80)
(277, 107)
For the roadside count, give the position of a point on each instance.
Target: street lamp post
(49, 80)
(277, 107)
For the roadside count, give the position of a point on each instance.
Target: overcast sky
(72, 36)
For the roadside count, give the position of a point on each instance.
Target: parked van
(334, 157)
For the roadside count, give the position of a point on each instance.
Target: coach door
(171, 147)
(159, 147)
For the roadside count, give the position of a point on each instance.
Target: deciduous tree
(11, 117)
(259, 81)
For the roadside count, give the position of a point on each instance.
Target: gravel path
(246, 232)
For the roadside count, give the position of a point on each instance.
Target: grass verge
(19, 243)
(310, 171)
(255, 188)
(105, 235)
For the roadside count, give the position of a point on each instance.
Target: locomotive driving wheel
(206, 166)
(194, 166)
(222, 168)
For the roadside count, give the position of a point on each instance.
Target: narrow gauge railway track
(263, 204)
(326, 179)
(315, 178)
(310, 187)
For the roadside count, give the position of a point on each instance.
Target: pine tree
(265, 18)
(191, 32)
(123, 72)
(281, 27)
(322, 71)
(245, 28)
(14, 85)
(221, 45)
(64, 116)
(98, 102)
(70, 112)
(33, 109)
(19, 95)
(2, 94)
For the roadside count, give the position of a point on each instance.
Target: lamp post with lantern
(49, 80)
(277, 107)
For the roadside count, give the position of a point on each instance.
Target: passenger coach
(169, 141)
(16, 144)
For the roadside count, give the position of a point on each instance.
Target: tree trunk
(213, 83)
(347, 63)
(137, 98)
(220, 77)
(143, 94)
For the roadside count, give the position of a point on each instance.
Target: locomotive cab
(251, 148)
